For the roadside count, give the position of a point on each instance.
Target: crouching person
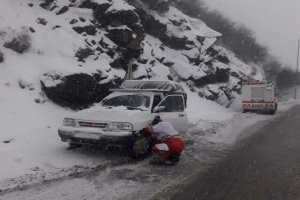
(167, 142)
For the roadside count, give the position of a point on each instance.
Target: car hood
(112, 114)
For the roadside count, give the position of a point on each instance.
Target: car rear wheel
(141, 147)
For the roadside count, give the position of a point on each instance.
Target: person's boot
(157, 160)
(172, 159)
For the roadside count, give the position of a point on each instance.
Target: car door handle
(181, 115)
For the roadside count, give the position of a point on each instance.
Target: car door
(174, 112)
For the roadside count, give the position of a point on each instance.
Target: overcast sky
(276, 23)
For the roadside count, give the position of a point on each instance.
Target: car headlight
(119, 126)
(69, 122)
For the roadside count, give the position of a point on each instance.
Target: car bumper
(259, 107)
(95, 136)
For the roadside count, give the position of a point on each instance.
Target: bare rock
(62, 10)
(217, 76)
(41, 21)
(82, 54)
(73, 21)
(78, 90)
(48, 5)
(90, 30)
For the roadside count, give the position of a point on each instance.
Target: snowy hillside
(73, 51)
(61, 54)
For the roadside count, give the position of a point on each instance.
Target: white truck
(120, 117)
(259, 96)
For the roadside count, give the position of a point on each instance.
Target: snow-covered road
(110, 175)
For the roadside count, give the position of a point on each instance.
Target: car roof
(151, 85)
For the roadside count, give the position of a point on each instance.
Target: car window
(173, 104)
(128, 101)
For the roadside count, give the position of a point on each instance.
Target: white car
(119, 119)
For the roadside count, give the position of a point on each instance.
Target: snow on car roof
(148, 85)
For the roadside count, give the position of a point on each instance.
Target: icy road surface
(265, 166)
(206, 142)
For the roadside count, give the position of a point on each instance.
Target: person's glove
(156, 120)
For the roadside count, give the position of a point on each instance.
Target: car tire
(73, 146)
(141, 147)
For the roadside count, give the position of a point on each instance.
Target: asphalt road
(266, 166)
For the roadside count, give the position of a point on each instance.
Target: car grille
(92, 124)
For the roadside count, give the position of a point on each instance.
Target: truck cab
(122, 115)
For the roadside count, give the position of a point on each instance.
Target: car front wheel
(141, 147)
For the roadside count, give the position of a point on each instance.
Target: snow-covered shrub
(19, 44)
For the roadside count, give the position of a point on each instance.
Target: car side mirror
(159, 109)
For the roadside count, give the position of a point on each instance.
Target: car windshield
(130, 101)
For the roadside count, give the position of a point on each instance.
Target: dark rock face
(90, 30)
(124, 38)
(99, 9)
(212, 96)
(223, 58)
(169, 64)
(120, 63)
(227, 92)
(212, 52)
(125, 17)
(178, 43)
(151, 25)
(82, 54)
(78, 91)
(123, 28)
(200, 39)
(236, 75)
(237, 88)
(158, 5)
(62, 10)
(219, 76)
(20, 44)
(123, 41)
(48, 4)
(157, 29)
(195, 61)
(219, 55)
(129, 38)
(73, 21)
(1, 57)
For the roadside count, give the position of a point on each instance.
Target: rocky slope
(73, 51)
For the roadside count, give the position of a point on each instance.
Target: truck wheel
(245, 110)
(272, 112)
(141, 147)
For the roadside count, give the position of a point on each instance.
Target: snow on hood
(112, 114)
